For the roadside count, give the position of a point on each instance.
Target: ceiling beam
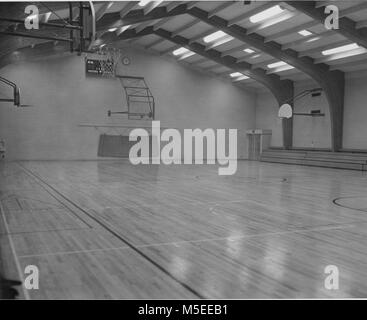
(161, 22)
(113, 20)
(143, 25)
(103, 9)
(283, 90)
(186, 27)
(272, 82)
(347, 27)
(236, 49)
(155, 43)
(111, 37)
(359, 63)
(313, 23)
(173, 5)
(332, 82)
(151, 5)
(220, 8)
(361, 24)
(257, 41)
(192, 4)
(127, 8)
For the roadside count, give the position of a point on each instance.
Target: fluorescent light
(248, 50)
(143, 3)
(256, 56)
(221, 41)
(266, 14)
(243, 77)
(235, 74)
(186, 55)
(348, 47)
(277, 64)
(305, 33)
(313, 39)
(214, 36)
(238, 76)
(112, 29)
(281, 68)
(344, 54)
(183, 52)
(180, 51)
(123, 29)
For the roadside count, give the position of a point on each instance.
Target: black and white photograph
(188, 151)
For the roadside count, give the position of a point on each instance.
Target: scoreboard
(99, 66)
(93, 66)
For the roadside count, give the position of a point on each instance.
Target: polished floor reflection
(108, 229)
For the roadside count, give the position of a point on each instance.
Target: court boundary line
(44, 231)
(336, 202)
(16, 258)
(107, 226)
(183, 242)
(68, 211)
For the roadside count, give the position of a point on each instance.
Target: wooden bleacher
(340, 160)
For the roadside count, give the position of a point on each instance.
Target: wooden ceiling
(191, 21)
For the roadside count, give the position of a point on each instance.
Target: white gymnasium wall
(63, 97)
(315, 132)
(355, 111)
(311, 132)
(267, 117)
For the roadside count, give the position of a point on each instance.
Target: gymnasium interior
(76, 78)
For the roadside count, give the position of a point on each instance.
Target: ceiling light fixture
(313, 39)
(304, 33)
(238, 76)
(266, 14)
(180, 51)
(348, 47)
(235, 74)
(214, 36)
(183, 53)
(277, 64)
(248, 50)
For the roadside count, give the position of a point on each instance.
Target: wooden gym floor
(108, 229)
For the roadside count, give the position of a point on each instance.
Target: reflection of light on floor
(274, 259)
(214, 283)
(179, 266)
(234, 244)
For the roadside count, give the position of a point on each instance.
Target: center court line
(16, 257)
(177, 243)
